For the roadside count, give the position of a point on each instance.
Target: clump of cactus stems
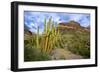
(50, 36)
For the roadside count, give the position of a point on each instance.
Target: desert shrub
(34, 54)
(78, 42)
(31, 52)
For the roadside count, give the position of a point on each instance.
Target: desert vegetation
(57, 38)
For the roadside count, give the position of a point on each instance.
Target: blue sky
(34, 19)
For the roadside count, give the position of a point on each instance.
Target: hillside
(76, 37)
(72, 25)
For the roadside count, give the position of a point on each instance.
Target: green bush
(34, 54)
(78, 42)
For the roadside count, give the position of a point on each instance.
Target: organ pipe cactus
(37, 37)
(50, 37)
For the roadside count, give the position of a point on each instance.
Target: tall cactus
(37, 37)
(45, 26)
(49, 38)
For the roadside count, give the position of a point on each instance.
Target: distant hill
(72, 25)
(27, 33)
(27, 30)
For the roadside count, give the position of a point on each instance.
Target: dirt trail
(64, 54)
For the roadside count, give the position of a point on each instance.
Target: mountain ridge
(72, 25)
